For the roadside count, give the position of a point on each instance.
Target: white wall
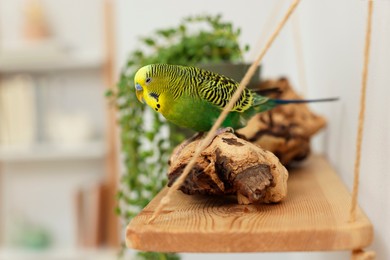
(332, 40)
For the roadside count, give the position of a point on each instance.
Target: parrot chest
(195, 113)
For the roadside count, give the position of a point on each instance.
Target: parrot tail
(264, 104)
(298, 101)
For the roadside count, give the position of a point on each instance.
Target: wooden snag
(231, 166)
(285, 130)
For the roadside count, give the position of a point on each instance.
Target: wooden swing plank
(314, 217)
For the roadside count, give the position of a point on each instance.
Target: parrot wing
(218, 90)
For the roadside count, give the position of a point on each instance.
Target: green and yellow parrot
(194, 98)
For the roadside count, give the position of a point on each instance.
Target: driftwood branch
(286, 130)
(230, 165)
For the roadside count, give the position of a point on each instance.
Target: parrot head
(148, 82)
(153, 81)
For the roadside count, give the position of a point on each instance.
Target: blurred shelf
(47, 57)
(50, 64)
(48, 151)
(63, 254)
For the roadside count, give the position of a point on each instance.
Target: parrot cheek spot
(154, 95)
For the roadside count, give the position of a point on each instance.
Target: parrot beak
(139, 93)
(140, 96)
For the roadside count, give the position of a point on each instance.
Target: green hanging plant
(147, 139)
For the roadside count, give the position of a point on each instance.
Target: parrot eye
(148, 80)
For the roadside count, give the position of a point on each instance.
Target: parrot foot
(188, 141)
(194, 137)
(224, 130)
(221, 131)
(200, 135)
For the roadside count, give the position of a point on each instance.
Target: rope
(211, 134)
(359, 140)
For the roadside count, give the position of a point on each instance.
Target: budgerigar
(194, 98)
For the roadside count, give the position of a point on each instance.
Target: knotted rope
(359, 139)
